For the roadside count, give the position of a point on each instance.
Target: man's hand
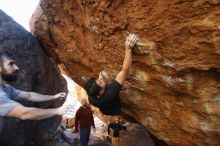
(131, 40)
(93, 130)
(61, 95)
(63, 109)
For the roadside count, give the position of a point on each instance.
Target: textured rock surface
(37, 73)
(174, 88)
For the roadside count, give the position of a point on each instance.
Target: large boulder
(38, 74)
(173, 87)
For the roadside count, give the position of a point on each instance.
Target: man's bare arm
(129, 44)
(31, 113)
(35, 97)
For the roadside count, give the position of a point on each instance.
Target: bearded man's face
(9, 70)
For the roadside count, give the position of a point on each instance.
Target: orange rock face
(174, 85)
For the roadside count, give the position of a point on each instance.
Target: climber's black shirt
(109, 102)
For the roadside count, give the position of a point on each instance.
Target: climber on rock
(9, 107)
(106, 97)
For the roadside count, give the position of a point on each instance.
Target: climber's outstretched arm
(131, 40)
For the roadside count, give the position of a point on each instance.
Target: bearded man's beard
(9, 77)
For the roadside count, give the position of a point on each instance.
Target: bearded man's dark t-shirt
(109, 102)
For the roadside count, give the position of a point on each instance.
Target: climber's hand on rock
(131, 40)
